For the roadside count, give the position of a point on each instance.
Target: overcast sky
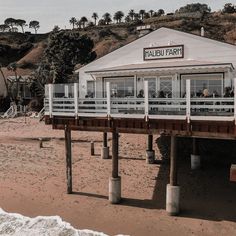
(58, 12)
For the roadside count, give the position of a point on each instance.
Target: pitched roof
(159, 29)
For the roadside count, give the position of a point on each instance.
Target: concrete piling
(172, 189)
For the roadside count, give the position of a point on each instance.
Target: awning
(157, 67)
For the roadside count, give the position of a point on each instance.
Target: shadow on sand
(205, 194)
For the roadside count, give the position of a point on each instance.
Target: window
(91, 88)
(152, 86)
(166, 86)
(121, 87)
(212, 82)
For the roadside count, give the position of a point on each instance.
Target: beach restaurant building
(166, 58)
(167, 82)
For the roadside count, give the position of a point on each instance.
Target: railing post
(146, 102)
(108, 99)
(50, 98)
(76, 99)
(235, 100)
(188, 101)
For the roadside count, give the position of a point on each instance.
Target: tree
(35, 25)
(151, 13)
(195, 7)
(83, 21)
(78, 24)
(146, 15)
(136, 17)
(118, 16)
(229, 8)
(10, 22)
(160, 12)
(95, 17)
(141, 13)
(107, 18)
(101, 22)
(66, 49)
(127, 19)
(4, 28)
(131, 14)
(21, 23)
(73, 22)
(56, 28)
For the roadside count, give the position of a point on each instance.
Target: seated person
(140, 94)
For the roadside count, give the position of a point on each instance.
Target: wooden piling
(173, 161)
(68, 159)
(92, 148)
(150, 142)
(115, 154)
(195, 146)
(104, 139)
(40, 143)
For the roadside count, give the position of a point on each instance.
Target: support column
(105, 148)
(173, 190)
(150, 153)
(92, 148)
(68, 159)
(195, 157)
(115, 180)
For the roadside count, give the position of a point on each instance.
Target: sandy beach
(33, 182)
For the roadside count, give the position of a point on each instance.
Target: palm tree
(160, 12)
(83, 20)
(131, 14)
(107, 18)
(151, 12)
(146, 15)
(141, 13)
(95, 17)
(78, 24)
(73, 22)
(118, 16)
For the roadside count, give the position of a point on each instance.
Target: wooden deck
(211, 117)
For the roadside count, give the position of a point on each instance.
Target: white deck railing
(188, 108)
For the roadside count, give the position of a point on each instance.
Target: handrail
(181, 108)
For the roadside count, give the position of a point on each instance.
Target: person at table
(205, 93)
(140, 94)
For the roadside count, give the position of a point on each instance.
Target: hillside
(27, 49)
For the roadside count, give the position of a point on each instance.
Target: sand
(33, 182)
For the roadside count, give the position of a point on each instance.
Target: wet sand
(33, 182)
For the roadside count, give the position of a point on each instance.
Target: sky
(58, 12)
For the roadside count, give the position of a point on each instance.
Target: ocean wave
(12, 224)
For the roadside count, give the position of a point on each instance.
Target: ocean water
(17, 225)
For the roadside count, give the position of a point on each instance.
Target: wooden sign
(167, 52)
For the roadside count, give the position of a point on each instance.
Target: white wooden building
(166, 58)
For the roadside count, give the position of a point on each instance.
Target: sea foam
(17, 225)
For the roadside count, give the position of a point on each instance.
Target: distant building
(23, 79)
